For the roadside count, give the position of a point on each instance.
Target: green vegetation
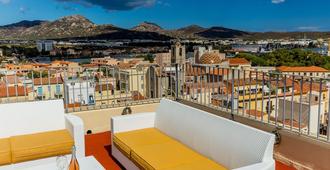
(222, 48)
(36, 74)
(148, 57)
(284, 57)
(30, 51)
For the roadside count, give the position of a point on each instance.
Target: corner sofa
(179, 137)
(34, 133)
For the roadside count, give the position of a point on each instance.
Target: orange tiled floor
(99, 144)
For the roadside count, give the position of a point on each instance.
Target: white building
(1, 52)
(45, 45)
(198, 53)
(313, 71)
(163, 58)
(82, 92)
(308, 113)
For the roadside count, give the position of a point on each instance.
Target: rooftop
(301, 69)
(238, 61)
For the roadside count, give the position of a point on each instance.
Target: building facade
(45, 45)
(178, 55)
(312, 71)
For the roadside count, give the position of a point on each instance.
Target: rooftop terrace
(292, 106)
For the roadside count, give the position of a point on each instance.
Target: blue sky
(249, 15)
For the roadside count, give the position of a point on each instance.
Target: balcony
(295, 107)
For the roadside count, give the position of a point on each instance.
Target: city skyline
(254, 15)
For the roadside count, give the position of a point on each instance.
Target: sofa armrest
(266, 165)
(132, 122)
(75, 126)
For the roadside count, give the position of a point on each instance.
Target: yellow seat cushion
(150, 149)
(125, 141)
(162, 156)
(5, 152)
(40, 145)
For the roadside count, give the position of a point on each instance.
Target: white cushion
(229, 143)
(31, 117)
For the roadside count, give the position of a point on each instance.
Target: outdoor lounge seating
(36, 132)
(177, 136)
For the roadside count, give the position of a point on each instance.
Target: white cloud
(5, 1)
(162, 3)
(277, 1)
(23, 9)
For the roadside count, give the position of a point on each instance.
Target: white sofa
(35, 117)
(231, 144)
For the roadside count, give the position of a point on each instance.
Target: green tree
(286, 57)
(36, 74)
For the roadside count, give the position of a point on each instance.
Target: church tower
(178, 53)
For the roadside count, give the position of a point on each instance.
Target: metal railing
(294, 102)
(297, 103)
(89, 88)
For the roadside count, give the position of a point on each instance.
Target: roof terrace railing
(86, 88)
(294, 102)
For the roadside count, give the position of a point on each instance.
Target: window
(311, 74)
(142, 78)
(316, 98)
(142, 86)
(180, 52)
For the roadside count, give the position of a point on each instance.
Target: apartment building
(313, 71)
(106, 61)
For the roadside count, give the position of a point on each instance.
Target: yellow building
(25, 68)
(70, 66)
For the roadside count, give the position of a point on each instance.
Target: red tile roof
(12, 91)
(301, 69)
(255, 113)
(195, 71)
(219, 72)
(238, 61)
(45, 81)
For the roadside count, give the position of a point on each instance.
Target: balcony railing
(294, 102)
(297, 103)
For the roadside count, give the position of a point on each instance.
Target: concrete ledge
(99, 120)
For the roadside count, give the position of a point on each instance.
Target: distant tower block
(178, 53)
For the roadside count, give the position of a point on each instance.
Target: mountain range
(79, 27)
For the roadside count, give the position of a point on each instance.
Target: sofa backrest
(31, 117)
(229, 143)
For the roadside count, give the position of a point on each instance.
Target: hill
(77, 26)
